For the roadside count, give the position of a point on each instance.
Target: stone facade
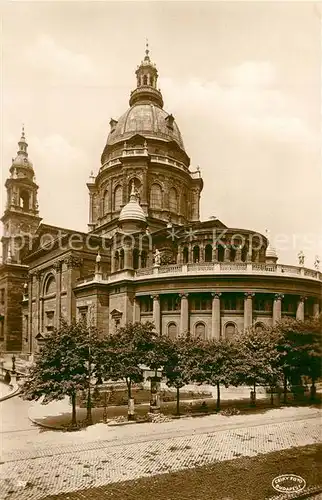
(146, 255)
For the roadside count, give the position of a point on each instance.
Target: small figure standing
(157, 257)
(317, 263)
(301, 258)
(13, 359)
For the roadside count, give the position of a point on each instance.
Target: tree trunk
(178, 400)
(130, 406)
(74, 421)
(89, 418)
(285, 389)
(272, 396)
(218, 397)
(312, 390)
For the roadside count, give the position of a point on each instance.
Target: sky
(242, 79)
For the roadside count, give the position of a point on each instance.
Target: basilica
(146, 255)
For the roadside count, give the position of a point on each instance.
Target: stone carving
(57, 265)
(157, 257)
(73, 261)
(301, 258)
(317, 263)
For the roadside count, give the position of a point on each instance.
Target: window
(122, 259)
(201, 303)
(83, 313)
(173, 200)
(200, 330)
(230, 330)
(156, 196)
(105, 202)
(26, 323)
(135, 258)
(221, 253)
(172, 330)
(259, 327)
(185, 255)
(143, 258)
(2, 292)
(170, 303)
(50, 285)
(116, 261)
(146, 304)
(208, 253)
(24, 200)
(196, 254)
(50, 320)
(230, 303)
(117, 201)
(1, 328)
(259, 304)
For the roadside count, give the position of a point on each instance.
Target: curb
(15, 392)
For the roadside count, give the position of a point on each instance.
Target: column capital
(183, 295)
(216, 295)
(155, 296)
(58, 265)
(37, 274)
(278, 296)
(249, 295)
(303, 298)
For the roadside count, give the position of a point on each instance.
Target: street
(38, 462)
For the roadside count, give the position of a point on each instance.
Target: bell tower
(21, 216)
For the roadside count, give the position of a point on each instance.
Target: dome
(132, 210)
(22, 161)
(271, 252)
(148, 120)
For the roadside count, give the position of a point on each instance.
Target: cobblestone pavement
(55, 462)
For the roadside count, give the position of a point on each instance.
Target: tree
(61, 369)
(175, 366)
(213, 365)
(300, 348)
(123, 353)
(258, 359)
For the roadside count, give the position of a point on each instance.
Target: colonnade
(216, 311)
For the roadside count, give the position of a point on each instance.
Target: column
(184, 315)
(90, 208)
(73, 263)
(214, 253)
(316, 309)
(250, 249)
(190, 253)
(202, 252)
(156, 312)
(38, 277)
(300, 309)
(128, 261)
(277, 307)
(58, 266)
(136, 310)
(248, 309)
(30, 332)
(215, 316)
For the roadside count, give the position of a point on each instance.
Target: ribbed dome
(22, 161)
(148, 120)
(132, 210)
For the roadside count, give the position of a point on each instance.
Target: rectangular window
(83, 313)
(2, 291)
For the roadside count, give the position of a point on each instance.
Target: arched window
(230, 330)
(156, 196)
(116, 261)
(259, 327)
(185, 255)
(173, 200)
(135, 258)
(24, 200)
(196, 253)
(184, 205)
(50, 285)
(221, 253)
(200, 330)
(172, 330)
(143, 258)
(122, 259)
(208, 253)
(105, 202)
(145, 79)
(117, 200)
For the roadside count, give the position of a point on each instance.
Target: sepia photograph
(161, 245)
